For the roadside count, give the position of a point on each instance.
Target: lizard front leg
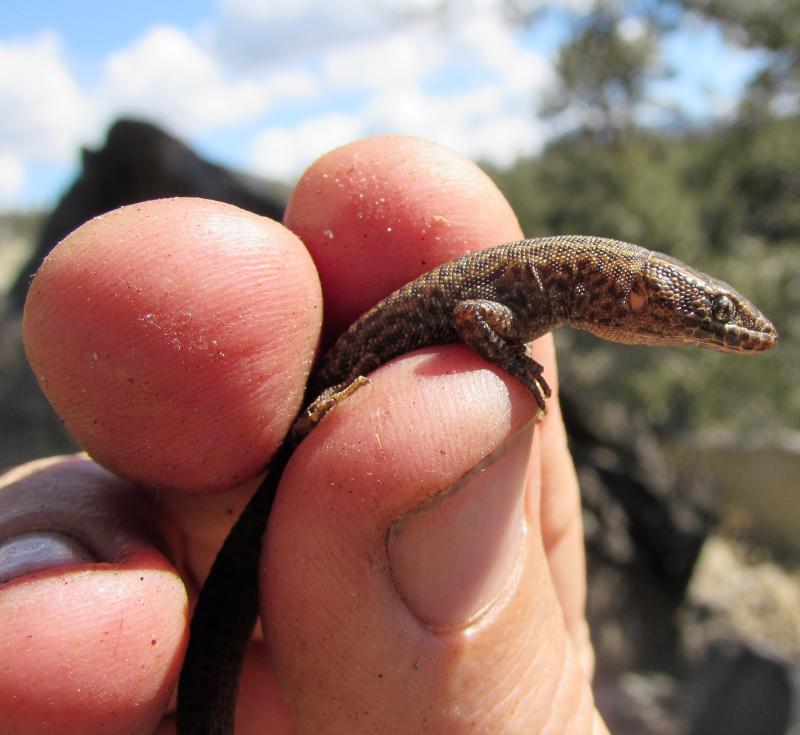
(491, 329)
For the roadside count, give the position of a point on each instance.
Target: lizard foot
(322, 404)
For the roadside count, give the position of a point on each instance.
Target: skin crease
(339, 633)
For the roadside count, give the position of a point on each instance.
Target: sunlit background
(672, 123)
(267, 87)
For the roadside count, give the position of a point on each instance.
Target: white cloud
(283, 153)
(478, 123)
(44, 113)
(166, 75)
(252, 33)
(471, 86)
(632, 29)
(493, 43)
(454, 72)
(393, 60)
(11, 177)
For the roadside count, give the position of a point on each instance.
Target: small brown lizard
(495, 301)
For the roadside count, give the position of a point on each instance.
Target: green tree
(746, 177)
(603, 70)
(772, 25)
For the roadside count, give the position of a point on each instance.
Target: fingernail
(452, 556)
(36, 550)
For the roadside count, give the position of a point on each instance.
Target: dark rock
(139, 161)
(738, 691)
(644, 525)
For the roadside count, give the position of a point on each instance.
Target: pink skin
(386, 598)
(84, 647)
(163, 309)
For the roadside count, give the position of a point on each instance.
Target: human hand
(402, 590)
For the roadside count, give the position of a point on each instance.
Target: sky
(266, 87)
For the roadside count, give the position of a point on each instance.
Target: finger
(92, 615)
(562, 528)
(377, 213)
(174, 338)
(414, 563)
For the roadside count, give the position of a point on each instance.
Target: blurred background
(671, 123)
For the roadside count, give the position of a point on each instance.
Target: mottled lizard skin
(495, 301)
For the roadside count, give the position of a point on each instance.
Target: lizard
(495, 301)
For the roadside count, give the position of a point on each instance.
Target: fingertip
(378, 212)
(90, 651)
(330, 573)
(93, 617)
(174, 338)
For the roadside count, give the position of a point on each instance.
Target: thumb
(405, 584)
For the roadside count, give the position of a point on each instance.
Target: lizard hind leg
(333, 395)
(323, 403)
(490, 329)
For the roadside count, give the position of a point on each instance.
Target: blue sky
(267, 89)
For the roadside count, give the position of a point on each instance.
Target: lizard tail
(223, 620)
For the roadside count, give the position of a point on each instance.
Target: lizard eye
(722, 309)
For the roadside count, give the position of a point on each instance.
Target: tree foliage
(770, 25)
(747, 178)
(725, 198)
(602, 72)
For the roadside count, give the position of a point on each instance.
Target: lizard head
(670, 303)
